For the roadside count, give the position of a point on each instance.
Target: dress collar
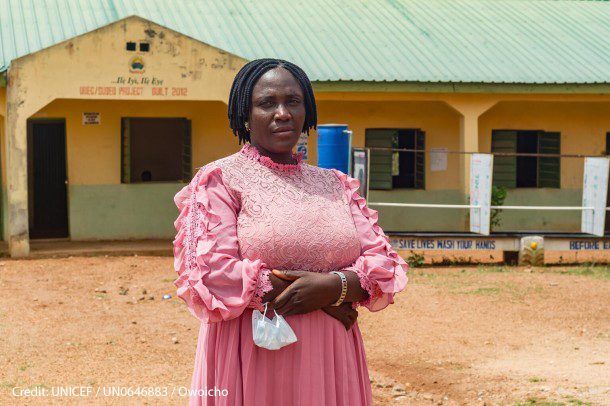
(251, 152)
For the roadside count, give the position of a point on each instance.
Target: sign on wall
(594, 194)
(302, 145)
(91, 118)
(481, 166)
(457, 244)
(438, 159)
(135, 84)
(360, 170)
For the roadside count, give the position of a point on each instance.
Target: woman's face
(278, 111)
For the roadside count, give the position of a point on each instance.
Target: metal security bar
(595, 214)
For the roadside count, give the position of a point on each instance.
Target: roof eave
(459, 87)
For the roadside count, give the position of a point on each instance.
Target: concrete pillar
(470, 108)
(16, 168)
(469, 141)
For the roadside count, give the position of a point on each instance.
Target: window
(131, 46)
(394, 169)
(526, 171)
(155, 150)
(144, 47)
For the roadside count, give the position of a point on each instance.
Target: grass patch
(420, 276)
(483, 291)
(470, 282)
(538, 402)
(536, 379)
(493, 269)
(166, 280)
(595, 271)
(429, 275)
(8, 385)
(507, 288)
(576, 402)
(570, 401)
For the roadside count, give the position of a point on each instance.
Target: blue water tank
(334, 147)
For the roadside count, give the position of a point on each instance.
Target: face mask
(271, 334)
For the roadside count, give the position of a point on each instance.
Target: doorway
(47, 180)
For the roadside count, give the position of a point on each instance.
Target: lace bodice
(292, 216)
(244, 214)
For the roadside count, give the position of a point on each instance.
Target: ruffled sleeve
(212, 279)
(381, 270)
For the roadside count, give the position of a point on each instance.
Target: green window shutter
(505, 167)
(381, 161)
(125, 151)
(420, 159)
(187, 152)
(549, 168)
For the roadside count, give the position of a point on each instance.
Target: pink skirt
(326, 366)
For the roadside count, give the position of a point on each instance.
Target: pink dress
(242, 216)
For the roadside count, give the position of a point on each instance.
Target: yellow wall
(3, 213)
(583, 128)
(97, 65)
(94, 151)
(2, 134)
(94, 154)
(437, 119)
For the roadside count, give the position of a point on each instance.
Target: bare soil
(459, 335)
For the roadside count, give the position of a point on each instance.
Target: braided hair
(240, 100)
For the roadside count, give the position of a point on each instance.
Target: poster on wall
(302, 145)
(594, 194)
(438, 159)
(481, 166)
(360, 170)
(91, 118)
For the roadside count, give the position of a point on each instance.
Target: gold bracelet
(343, 288)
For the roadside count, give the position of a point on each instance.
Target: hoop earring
(247, 126)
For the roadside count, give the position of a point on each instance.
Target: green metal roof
(451, 41)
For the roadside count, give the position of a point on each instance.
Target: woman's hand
(344, 313)
(279, 285)
(309, 291)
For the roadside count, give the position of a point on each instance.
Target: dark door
(47, 181)
(607, 226)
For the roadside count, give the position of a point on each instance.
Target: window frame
(506, 140)
(125, 145)
(380, 176)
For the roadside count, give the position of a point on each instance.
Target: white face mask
(271, 334)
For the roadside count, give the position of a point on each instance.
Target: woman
(261, 226)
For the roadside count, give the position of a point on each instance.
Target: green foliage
(498, 195)
(415, 260)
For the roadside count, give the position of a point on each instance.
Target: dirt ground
(460, 335)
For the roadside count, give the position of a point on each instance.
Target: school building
(108, 107)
